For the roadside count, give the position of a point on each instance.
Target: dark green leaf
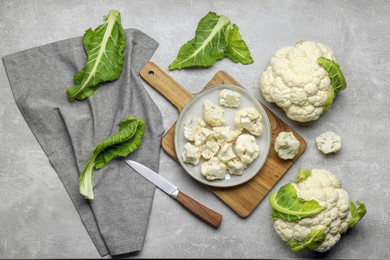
(119, 144)
(105, 48)
(237, 50)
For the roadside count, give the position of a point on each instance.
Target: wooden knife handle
(207, 215)
(165, 85)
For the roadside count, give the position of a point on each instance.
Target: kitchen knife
(207, 215)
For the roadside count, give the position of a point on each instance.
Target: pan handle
(165, 85)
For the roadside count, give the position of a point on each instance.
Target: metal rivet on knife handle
(207, 215)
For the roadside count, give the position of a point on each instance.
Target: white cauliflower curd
(191, 154)
(249, 118)
(314, 211)
(235, 166)
(209, 149)
(191, 126)
(328, 142)
(286, 145)
(213, 169)
(213, 114)
(247, 148)
(303, 80)
(225, 134)
(229, 98)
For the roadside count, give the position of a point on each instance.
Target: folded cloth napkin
(117, 218)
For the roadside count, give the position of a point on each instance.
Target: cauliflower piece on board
(213, 169)
(236, 166)
(191, 126)
(313, 211)
(225, 134)
(295, 81)
(328, 142)
(286, 145)
(226, 153)
(202, 135)
(247, 148)
(191, 154)
(249, 118)
(229, 98)
(213, 114)
(209, 149)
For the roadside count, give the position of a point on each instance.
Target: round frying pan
(190, 105)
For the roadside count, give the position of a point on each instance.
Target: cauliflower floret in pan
(191, 154)
(225, 134)
(229, 98)
(303, 80)
(226, 153)
(202, 135)
(209, 149)
(213, 169)
(247, 148)
(213, 114)
(236, 166)
(249, 118)
(191, 126)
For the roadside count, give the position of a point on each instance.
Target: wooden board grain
(244, 198)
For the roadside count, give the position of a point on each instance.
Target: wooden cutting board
(244, 198)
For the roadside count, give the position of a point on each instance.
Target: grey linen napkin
(68, 132)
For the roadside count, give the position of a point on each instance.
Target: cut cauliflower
(236, 166)
(191, 154)
(209, 149)
(213, 114)
(225, 134)
(202, 135)
(314, 211)
(213, 169)
(249, 118)
(303, 80)
(229, 98)
(191, 126)
(286, 145)
(226, 153)
(328, 142)
(247, 148)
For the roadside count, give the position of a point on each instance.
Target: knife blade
(204, 213)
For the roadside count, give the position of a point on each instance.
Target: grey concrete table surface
(37, 218)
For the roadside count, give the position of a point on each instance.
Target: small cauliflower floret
(202, 135)
(314, 211)
(235, 166)
(303, 80)
(225, 134)
(328, 142)
(191, 154)
(213, 169)
(247, 148)
(229, 98)
(213, 114)
(191, 126)
(286, 145)
(209, 149)
(226, 153)
(249, 118)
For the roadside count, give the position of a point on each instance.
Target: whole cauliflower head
(314, 211)
(303, 80)
(286, 145)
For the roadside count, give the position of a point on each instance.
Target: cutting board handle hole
(151, 73)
